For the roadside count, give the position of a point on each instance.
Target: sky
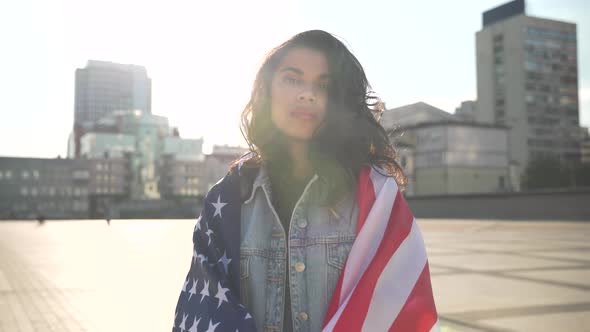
(202, 56)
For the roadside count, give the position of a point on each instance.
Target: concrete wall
(476, 179)
(429, 181)
(546, 205)
(457, 180)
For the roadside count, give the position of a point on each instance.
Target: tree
(544, 172)
(549, 172)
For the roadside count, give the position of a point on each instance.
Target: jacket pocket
(336, 255)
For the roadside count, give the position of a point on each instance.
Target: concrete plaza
(88, 276)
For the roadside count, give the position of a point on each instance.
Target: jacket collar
(262, 180)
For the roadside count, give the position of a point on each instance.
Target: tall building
(527, 80)
(103, 87)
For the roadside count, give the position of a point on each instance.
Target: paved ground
(87, 276)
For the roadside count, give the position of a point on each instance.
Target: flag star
(212, 326)
(218, 206)
(205, 291)
(225, 261)
(221, 294)
(202, 258)
(193, 290)
(182, 325)
(198, 225)
(209, 233)
(247, 316)
(194, 327)
(185, 284)
(194, 255)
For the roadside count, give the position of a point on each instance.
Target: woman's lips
(303, 113)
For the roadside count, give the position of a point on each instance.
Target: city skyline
(196, 72)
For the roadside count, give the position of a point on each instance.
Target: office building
(60, 188)
(527, 80)
(103, 87)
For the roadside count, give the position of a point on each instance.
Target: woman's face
(299, 93)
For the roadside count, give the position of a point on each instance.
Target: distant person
(107, 213)
(309, 231)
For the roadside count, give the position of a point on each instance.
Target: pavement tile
(486, 275)
(455, 294)
(569, 321)
(495, 262)
(575, 276)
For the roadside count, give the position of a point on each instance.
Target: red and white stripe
(385, 283)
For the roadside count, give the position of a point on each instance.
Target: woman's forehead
(304, 61)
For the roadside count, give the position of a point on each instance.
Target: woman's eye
(323, 86)
(291, 80)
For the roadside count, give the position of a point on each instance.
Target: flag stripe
(368, 239)
(385, 283)
(419, 313)
(365, 189)
(398, 227)
(387, 302)
(365, 196)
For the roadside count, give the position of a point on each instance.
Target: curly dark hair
(350, 136)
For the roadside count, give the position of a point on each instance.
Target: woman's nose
(307, 95)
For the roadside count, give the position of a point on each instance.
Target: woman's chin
(299, 137)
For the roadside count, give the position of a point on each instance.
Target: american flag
(384, 285)
(210, 297)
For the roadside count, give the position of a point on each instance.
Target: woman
(303, 197)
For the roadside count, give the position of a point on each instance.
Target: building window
(36, 174)
(529, 98)
(34, 191)
(25, 174)
(8, 175)
(566, 100)
(24, 191)
(533, 66)
(498, 38)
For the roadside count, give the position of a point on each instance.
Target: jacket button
(299, 267)
(303, 316)
(302, 223)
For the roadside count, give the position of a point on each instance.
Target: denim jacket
(319, 241)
